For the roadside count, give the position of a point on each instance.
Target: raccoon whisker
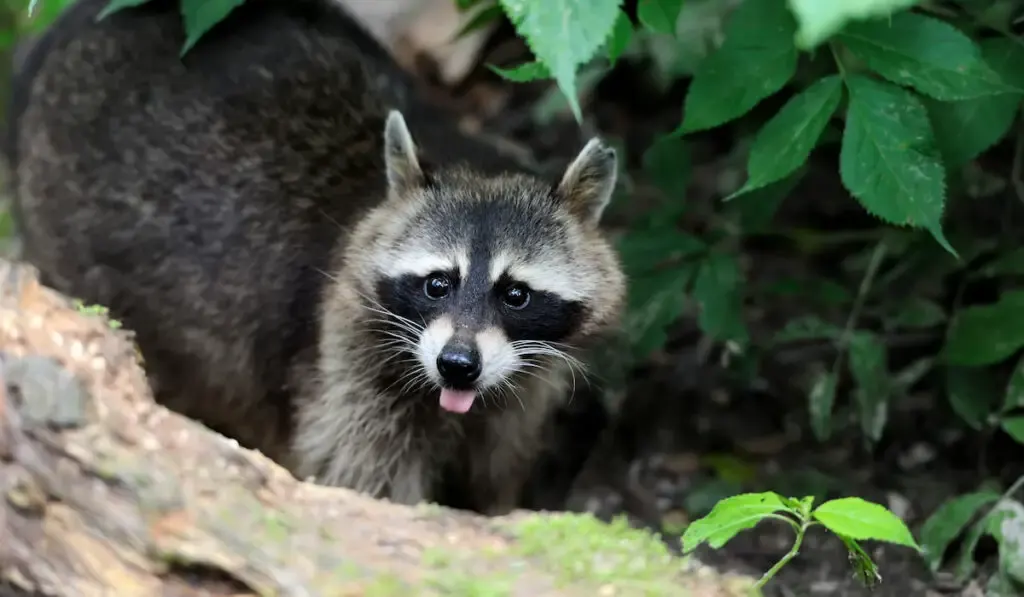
(583, 367)
(395, 320)
(377, 307)
(399, 338)
(507, 387)
(525, 347)
(398, 342)
(327, 275)
(397, 356)
(417, 378)
(545, 343)
(528, 348)
(547, 380)
(393, 350)
(394, 323)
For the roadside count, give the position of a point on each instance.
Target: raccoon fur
(398, 314)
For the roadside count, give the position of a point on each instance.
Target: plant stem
(877, 256)
(839, 61)
(1013, 488)
(793, 551)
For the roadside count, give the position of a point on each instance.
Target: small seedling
(852, 519)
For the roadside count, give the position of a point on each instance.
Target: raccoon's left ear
(400, 160)
(589, 180)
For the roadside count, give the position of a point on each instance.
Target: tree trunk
(107, 493)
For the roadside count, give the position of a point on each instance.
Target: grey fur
(237, 208)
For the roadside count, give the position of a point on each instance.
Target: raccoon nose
(459, 366)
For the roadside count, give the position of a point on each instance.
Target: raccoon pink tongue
(457, 401)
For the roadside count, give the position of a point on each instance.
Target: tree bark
(107, 493)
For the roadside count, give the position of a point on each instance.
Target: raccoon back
(199, 197)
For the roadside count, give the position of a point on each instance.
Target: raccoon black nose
(459, 366)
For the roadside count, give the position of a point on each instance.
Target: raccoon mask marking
(490, 279)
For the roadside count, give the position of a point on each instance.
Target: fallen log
(104, 492)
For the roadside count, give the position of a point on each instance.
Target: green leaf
(660, 16)
(116, 5)
(655, 302)
(618, 41)
(965, 556)
(482, 18)
(860, 519)
(1010, 263)
(925, 53)
(756, 59)
(1001, 585)
(987, 334)
(563, 34)
(1006, 525)
(785, 142)
(916, 313)
(1014, 427)
(889, 160)
(201, 15)
(646, 250)
(946, 523)
(815, 290)
(868, 360)
(820, 401)
(905, 378)
(754, 211)
(729, 517)
(807, 327)
(44, 17)
(1004, 55)
(819, 20)
(972, 393)
(718, 291)
(667, 163)
(965, 128)
(528, 71)
(1014, 397)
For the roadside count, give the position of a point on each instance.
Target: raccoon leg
(570, 436)
(501, 459)
(349, 440)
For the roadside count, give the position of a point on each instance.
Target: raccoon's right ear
(400, 160)
(589, 181)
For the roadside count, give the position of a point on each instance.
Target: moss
(100, 310)
(277, 527)
(577, 548)
(448, 577)
(573, 549)
(454, 582)
(386, 585)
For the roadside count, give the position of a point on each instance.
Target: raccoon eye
(437, 286)
(516, 296)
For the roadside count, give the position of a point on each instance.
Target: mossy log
(107, 493)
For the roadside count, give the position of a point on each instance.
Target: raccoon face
(487, 279)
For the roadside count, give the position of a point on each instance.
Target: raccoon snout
(459, 366)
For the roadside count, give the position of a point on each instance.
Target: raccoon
(299, 272)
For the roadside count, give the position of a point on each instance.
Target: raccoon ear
(589, 180)
(400, 160)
